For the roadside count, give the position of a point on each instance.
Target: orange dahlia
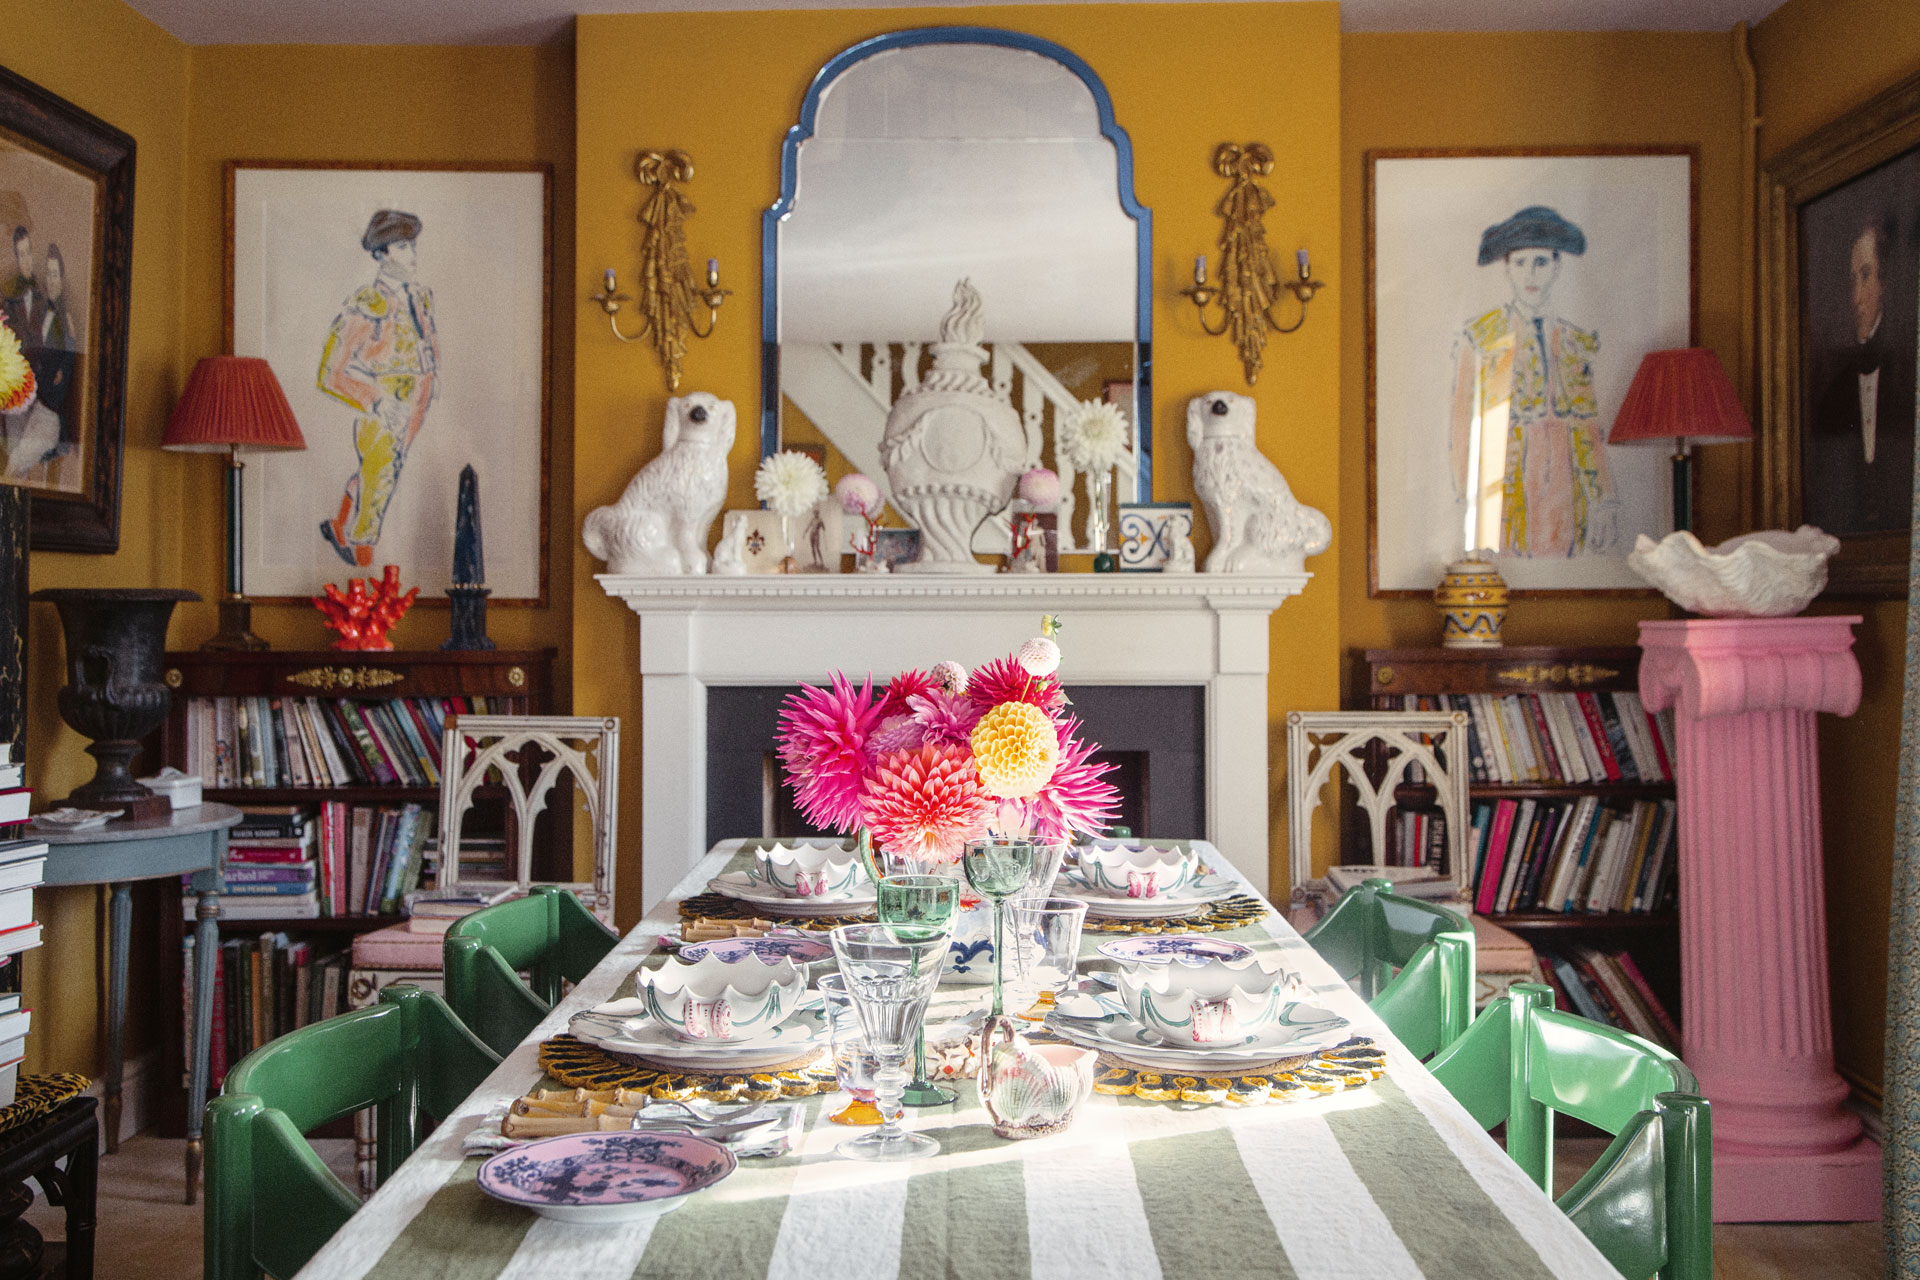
(16, 375)
(1015, 747)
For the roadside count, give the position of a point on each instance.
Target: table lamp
(1681, 395)
(233, 403)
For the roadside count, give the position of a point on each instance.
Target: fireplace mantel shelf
(1207, 630)
(855, 592)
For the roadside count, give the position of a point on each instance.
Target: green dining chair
(1647, 1203)
(1411, 960)
(271, 1200)
(547, 935)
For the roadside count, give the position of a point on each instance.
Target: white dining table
(1390, 1181)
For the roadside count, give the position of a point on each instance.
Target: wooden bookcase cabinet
(1653, 938)
(523, 678)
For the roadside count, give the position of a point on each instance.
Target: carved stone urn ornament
(115, 640)
(952, 449)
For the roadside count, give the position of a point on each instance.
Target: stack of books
(1609, 988)
(430, 911)
(1559, 737)
(1574, 855)
(262, 989)
(23, 861)
(322, 742)
(272, 866)
(303, 862)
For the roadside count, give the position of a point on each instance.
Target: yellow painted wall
(1182, 78)
(104, 57)
(1818, 59)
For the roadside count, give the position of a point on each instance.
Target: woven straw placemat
(579, 1065)
(1228, 913)
(1348, 1065)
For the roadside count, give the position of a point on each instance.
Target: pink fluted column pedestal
(1753, 928)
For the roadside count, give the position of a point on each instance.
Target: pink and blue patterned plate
(771, 948)
(598, 1178)
(1162, 948)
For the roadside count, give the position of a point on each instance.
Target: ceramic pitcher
(1030, 1090)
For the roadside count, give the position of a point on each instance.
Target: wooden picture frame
(1861, 169)
(66, 202)
(304, 264)
(1430, 214)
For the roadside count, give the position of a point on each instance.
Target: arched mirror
(930, 156)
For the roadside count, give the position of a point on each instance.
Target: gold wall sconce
(1250, 284)
(670, 295)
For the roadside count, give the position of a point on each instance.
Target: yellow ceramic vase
(1472, 598)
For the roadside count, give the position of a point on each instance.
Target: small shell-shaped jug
(1030, 1090)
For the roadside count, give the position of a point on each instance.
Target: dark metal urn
(116, 640)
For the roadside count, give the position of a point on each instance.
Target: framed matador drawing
(66, 217)
(405, 312)
(1510, 297)
(1839, 296)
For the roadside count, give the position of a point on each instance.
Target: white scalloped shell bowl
(1164, 995)
(809, 870)
(1110, 867)
(758, 995)
(1770, 574)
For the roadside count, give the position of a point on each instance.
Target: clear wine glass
(890, 979)
(1045, 949)
(921, 908)
(998, 867)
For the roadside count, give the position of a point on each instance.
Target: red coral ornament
(363, 613)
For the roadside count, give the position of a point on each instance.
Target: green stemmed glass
(920, 909)
(998, 867)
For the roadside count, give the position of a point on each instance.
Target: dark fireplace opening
(1154, 735)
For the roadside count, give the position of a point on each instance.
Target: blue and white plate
(769, 948)
(599, 1178)
(802, 1033)
(1187, 948)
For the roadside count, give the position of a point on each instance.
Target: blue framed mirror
(928, 156)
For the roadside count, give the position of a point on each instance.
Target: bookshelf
(1649, 935)
(511, 682)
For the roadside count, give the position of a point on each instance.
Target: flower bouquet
(16, 375)
(915, 769)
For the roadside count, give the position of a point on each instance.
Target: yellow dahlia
(1015, 749)
(16, 375)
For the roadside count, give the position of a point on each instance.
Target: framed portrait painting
(1838, 275)
(1510, 297)
(66, 216)
(405, 311)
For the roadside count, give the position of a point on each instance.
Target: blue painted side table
(186, 841)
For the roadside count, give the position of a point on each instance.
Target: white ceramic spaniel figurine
(660, 524)
(1258, 527)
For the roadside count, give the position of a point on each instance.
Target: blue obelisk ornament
(469, 591)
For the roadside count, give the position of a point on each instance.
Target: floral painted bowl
(718, 999)
(1209, 1003)
(600, 1178)
(1770, 574)
(808, 870)
(1137, 872)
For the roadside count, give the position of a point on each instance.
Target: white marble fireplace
(1204, 630)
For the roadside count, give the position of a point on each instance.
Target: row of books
(263, 988)
(1609, 988)
(302, 862)
(23, 862)
(1577, 854)
(323, 742)
(1559, 737)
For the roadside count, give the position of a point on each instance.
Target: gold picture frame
(1807, 185)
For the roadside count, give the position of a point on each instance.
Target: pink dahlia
(944, 717)
(1005, 680)
(824, 746)
(898, 733)
(926, 803)
(1074, 798)
(901, 688)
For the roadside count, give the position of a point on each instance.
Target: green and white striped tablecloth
(1390, 1182)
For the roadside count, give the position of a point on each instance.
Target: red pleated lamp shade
(232, 400)
(1684, 392)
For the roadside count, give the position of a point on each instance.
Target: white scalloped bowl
(1770, 574)
(720, 1000)
(809, 870)
(1205, 1003)
(1135, 871)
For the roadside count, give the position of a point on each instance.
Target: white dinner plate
(1202, 894)
(800, 1034)
(739, 886)
(1308, 1029)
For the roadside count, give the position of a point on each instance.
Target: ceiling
(540, 21)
